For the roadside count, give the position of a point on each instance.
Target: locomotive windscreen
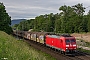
(70, 41)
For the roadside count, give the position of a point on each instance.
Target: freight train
(64, 43)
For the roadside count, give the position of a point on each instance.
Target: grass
(83, 50)
(13, 49)
(85, 44)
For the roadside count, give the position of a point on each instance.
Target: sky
(26, 9)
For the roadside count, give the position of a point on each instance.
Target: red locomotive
(64, 43)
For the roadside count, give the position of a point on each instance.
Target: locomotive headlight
(66, 48)
(74, 45)
(67, 45)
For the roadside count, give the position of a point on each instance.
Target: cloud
(33, 8)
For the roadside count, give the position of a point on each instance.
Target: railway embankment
(12, 49)
(83, 41)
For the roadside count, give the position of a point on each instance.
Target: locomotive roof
(58, 36)
(66, 35)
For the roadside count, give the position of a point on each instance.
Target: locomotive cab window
(73, 41)
(70, 41)
(67, 41)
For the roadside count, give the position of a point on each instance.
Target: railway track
(82, 55)
(45, 49)
(56, 54)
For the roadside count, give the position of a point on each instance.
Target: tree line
(71, 19)
(5, 20)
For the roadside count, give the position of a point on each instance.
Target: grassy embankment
(83, 39)
(13, 49)
(84, 44)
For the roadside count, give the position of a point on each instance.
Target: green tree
(88, 24)
(79, 10)
(71, 19)
(66, 15)
(5, 20)
(15, 27)
(31, 23)
(24, 26)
